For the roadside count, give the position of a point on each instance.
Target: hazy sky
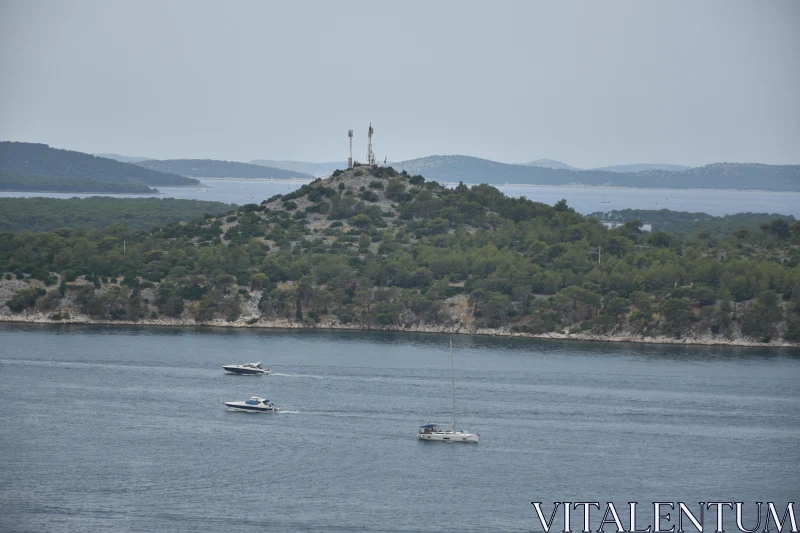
(587, 83)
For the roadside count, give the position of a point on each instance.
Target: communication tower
(350, 159)
(370, 155)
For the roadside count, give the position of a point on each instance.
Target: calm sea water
(584, 199)
(123, 429)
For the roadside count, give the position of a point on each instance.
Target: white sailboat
(446, 432)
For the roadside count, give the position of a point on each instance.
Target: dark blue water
(583, 199)
(123, 429)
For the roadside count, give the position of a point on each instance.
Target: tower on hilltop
(370, 154)
(350, 159)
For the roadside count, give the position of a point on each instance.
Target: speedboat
(253, 405)
(435, 432)
(253, 369)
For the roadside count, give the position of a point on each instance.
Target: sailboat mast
(453, 375)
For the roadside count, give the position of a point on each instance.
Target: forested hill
(374, 248)
(210, 168)
(455, 168)
(31, 159)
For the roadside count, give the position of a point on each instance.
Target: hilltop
(210, 168)
(31, 159)
(124, 158)
(551, 163)
(374, 248)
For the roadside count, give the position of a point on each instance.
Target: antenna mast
(453, 374)
(350, 159)
(370, 155)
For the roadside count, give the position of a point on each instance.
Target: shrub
(375, 184)
(24, 298)
(369, 196)
(360, 220)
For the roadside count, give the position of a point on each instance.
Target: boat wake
(290, 375)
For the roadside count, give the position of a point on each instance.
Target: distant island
(38, 167)
(211, 168)
(315, 169)
(642, 167)
(743, 176)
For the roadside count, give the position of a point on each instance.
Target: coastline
(460, 329)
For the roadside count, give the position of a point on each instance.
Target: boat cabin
(430, 428)
(255, 400)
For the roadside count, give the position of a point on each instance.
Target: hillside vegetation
(374, 248)
(30, 159)
(455, 168)
(97, 212)
(209, 168)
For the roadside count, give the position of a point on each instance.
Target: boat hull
(449, 436)
(246, 371)
(242, 407)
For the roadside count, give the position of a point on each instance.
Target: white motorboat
(253, 405)
(249, 369)
(447, 432)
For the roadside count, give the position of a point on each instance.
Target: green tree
(761, 319)
(676, 315)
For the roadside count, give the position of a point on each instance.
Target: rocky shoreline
(709, 340)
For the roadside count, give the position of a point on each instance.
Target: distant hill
(747, 176)
(31, 159)
(454, 168)
(643, 167)
(124, 158)
(210, 168)
(551, 163)
(315, 169)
